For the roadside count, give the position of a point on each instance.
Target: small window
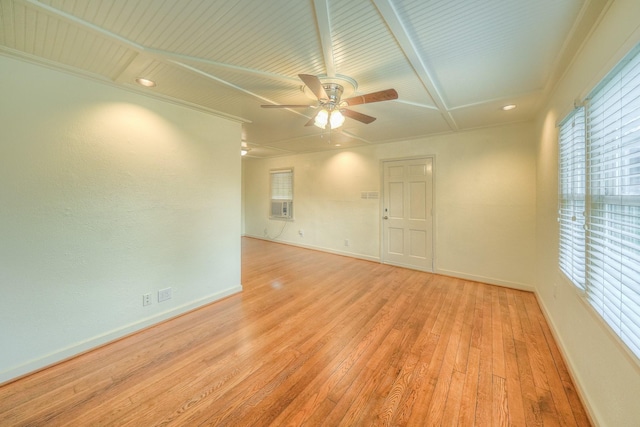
(281, 205)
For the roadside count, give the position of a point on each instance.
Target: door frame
(434, 227)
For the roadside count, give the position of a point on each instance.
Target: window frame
(611, 175)
(572, 195)
(281, 194)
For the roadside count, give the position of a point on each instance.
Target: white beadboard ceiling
(454, 63)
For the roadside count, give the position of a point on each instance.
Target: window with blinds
(572, 190)
(281, 206)
(604, 160)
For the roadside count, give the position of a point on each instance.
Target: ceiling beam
(323, 22)
(158, 54)
(166, 57)
(226, 83)
(389, 14)
(56, 13)
(416, 104)
(208, 62)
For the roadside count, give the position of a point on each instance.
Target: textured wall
(607, 375)
(484, 206)
(106, 195)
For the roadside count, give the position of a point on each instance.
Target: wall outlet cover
(164, 294)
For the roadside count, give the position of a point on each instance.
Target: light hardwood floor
(319, 339)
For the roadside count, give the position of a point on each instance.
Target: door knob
(385, 217)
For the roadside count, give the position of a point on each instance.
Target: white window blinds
(599, 200)
(282, 184)
(572, 189)
(613, 238)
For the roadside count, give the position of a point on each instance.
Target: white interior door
(407, 218)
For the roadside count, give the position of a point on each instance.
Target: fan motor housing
(342, 86)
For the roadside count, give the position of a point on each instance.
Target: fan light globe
(322, 118)
(336, 120)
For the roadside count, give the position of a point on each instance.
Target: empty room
(320, 212)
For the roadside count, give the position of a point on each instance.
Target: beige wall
(484, 201)
(106, 195)
(608, 377)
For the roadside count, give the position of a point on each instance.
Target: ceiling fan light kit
(333, 118)
(332, 111)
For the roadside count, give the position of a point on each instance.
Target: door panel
(396, 200)
(417, 170)
(396, 241)
(396, 171)
(417, 202)
(407, 230)
(418, 243)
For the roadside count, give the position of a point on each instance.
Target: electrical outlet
(164, 294)
(346, 242)
(146, 299)
(301, 233)
(266, 232)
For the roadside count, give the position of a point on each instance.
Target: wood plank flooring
(318, 339)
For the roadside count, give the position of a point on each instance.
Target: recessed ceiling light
(145, 82)
(509, 107)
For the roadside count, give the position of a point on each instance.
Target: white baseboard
(568, 362)
(488, 280)
(92, 343)
(444, 272)
(317, 248)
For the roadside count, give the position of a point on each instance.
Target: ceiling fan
(332, 109)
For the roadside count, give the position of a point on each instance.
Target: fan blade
(314, 83)
(284, 106)
(383, 95)
(357, 116)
